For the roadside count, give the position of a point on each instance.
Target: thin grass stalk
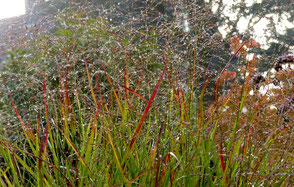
(138, 129)
(28, 131)
(114, 91)
(90, 84)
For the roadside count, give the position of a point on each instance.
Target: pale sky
(11, 8)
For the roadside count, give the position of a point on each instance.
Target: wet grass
(126, 143)
(151, 133)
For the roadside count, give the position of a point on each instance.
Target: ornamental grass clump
(99, 114)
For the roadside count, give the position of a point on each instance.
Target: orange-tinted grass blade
(113, 147)
(38, 127)
(44, 142)
(132, 181)
(147, 110)
(163, 170)
(97, 112)
(137, 87)
(97, 84)
(176, 91)
(135, 93)
(117, 158)
(72, 146)
(184, 104)
(177, 97)
(68, 102)
(138, 129)
(222, 161)
(141, 174)
(129, 104)
(90, 83)
(157, 142)
(62, 111)
(114, 91)
(172, 177)
(28, 131)
(62, 96)
(190, 162)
